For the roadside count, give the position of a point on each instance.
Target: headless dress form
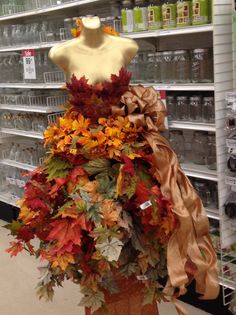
(94, 54)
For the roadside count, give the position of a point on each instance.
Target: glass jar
(68, 25)
(203, 192)
(200, 12)
(154, 15)
(142, 64)
(140, 15)
(183, 13)
(211, 152)
(171, 107)
(208, 110)
(158, 64)
(181, 66)
(127, 18)
(169, 14)
(176, 140)
(199, 147)
(133, 68)
(202, 65)
(167, 67)
(195, 108)
(150, 68)
(182, 108)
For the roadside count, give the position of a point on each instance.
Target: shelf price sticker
(231, 181)
(29, 64)
(20, 183)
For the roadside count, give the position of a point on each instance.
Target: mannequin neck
(92, 34)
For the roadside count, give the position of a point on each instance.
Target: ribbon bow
(143, 108)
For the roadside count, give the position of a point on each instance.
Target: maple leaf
(64, 231)
(63, 261)
(27, 215)
(109, 213)
(96, 166)
(16, 247)
(25, 233)
(76, 172)
(56, 167)
(14, 226)
(92, 299)
(110, 249)
(59, 182)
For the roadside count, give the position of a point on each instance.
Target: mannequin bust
(94, 54)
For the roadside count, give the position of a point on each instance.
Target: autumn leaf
(16, 247)
(109, 213)
(96, 166)
(56, 167)
(110, 249)
(92, 299)
(26, 214)
(25, 233)
(63, 261)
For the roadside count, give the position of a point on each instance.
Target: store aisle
(19, 277)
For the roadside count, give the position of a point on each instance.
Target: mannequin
(94, 54)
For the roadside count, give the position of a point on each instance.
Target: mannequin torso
(94, 54)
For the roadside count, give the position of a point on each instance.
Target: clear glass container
(230, 206)
(171, 107)
(181, 66)
(167, 67)
(150, 68)
(211, 152)
(133, 68)
(195, 108)
(203, 192)
(202, 65)
(199, 147)
(176, 140)
(208, 109)
(68, 25)
(182, 108)
(158, 63)
(142, 64)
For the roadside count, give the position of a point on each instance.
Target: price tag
(20, 183)
(231, 143)
(142, 278)
(231, 181)
(11, 180)
(29, 64)
(145, 205)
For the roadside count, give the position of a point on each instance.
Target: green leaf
(108, 283)
(149, 295)
(106, 186)
(110, 249)
(14, 226)
(130, 191)
(129, 269)
(97, 166)
(92, 299)
(56, 167)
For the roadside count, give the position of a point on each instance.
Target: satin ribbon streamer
(190, 254)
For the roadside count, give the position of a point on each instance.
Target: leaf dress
(111, 201)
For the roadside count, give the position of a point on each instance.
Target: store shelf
(183, 87)
(19, 165)
(213, 213)
(7, 198)
(199, 171)
(29, 134)
(192, 125)
(32, 46)
(33, 85)
(227, 283)
(33, 109)
(171, 32)
(49, 10)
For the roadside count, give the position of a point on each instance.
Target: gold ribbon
(190, 244)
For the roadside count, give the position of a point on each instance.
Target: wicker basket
(128, 301)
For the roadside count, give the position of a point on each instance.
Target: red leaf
(59, 182)
(25, 233)
(76, 171)
(16, 247)
(129, 166)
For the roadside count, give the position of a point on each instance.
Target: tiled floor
(18, 278)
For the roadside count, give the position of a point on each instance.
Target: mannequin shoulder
(127, 43)
(60, 50)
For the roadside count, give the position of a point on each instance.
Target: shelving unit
(219, 33)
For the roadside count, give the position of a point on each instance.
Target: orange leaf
(63, 261)
(16, 247)
(109, 213)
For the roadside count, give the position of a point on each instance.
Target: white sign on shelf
(231, 181)
(29, 64)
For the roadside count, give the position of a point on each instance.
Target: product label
(231, 144)
(154, 17)
(20, 183)
(127, 20)
(183, 13)
(169, 15)
(140, 19)
(29, 64)
(200, 11)
(230, 180)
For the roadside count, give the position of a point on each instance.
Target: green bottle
(127, 18)
(183, 13)
(140, 16)
(154, 15)
(169, 14)
(200, 12)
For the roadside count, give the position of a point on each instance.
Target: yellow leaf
(109, 213)
(26, 215)
(63, 261)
